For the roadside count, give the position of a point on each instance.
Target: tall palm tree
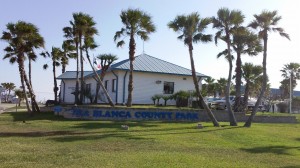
(22, 38)
(226, 21)
(9, 87)
(85, 28)
(72, 36)
(68, 52)
(252, 74)
(55, 55)
(243, 42)
(136, 23)
(264, 22)
(192, 28)
(105, 61)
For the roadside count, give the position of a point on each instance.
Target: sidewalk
(4, 106)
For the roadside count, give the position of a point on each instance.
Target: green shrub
(181, 98)
(282, 107)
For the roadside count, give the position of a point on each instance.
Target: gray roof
(147, 63)
(142, 63)
(72, 74)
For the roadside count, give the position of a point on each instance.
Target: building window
(106, 84)
(114, 85)
(168, 87)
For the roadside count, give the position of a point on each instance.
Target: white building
(151, 76)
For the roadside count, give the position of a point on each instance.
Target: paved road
(4, 106)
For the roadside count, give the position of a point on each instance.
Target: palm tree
(9, 87)
(84, 25)
(252, 74)
(221, 86)
(136, 23)
(105, 61)
(244, 42)
(56, 55)
(192, 28)
(68, 52)
(265, 22)
(226, 21)
(72, 37)
(290, 72)
(22, 38)
(211, 86)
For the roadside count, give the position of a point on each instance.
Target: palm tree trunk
(77, 75)
(55, 89)
(238, 83)
(29, 75)
(34, 104)
(200, 97)
(227, 91)
(29, 71)
(264, 84)
(22, 71)
(82, 83)
(98, 86)
(246, 95)
(100, 81)
(97, 92)
(63, 68)
(131, 59)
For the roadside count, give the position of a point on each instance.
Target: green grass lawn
(46, 140)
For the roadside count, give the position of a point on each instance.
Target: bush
(282, 107)
(181, 98)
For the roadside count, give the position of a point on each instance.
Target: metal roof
(147, 63)
(142, 63)
(72, 74)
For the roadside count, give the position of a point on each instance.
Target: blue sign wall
(126, 114)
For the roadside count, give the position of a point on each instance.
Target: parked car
(209, 100)
(221, 104)
(251, 104)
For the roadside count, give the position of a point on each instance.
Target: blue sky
(50, 16)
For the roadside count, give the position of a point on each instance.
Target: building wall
(145, 86)
(66, 88)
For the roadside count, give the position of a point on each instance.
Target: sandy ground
(4, 106)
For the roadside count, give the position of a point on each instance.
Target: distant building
(151, 76)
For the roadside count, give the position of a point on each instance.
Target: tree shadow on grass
(280, 150)
(99, 136)
(24, 116)
(38, 133)
(113, 124)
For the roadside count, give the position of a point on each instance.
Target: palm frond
(120, 43)
(45, 66)
(119, 34)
